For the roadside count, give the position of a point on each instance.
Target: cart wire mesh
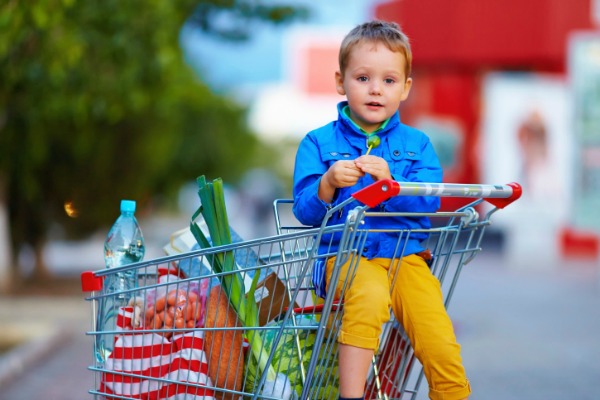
(195, 347)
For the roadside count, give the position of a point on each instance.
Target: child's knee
(364, 316)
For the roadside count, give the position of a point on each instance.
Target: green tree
(97, 104)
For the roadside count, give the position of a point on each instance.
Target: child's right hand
(343, 174)
(340, 174)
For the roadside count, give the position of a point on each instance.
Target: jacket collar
(351, 126)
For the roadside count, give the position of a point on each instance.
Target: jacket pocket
(403, 160)
(330, 156)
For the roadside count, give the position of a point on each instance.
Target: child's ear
(339, 83)
(407, 86)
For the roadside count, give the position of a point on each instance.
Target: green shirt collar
(346, 111)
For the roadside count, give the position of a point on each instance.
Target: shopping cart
(202, 359)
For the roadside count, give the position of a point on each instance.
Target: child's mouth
(374, 104)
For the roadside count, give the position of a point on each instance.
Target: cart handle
(382, 190)
(91, 282)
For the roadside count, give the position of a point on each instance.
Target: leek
(214, 212)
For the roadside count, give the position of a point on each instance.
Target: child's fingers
(348, 164)
(369, 159)
(377, 169)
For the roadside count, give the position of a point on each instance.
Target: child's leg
(418, 304)
(354, 362)
(366, 309)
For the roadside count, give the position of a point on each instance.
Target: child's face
(374, 83)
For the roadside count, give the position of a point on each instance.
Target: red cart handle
(382, 190)
(90, 282)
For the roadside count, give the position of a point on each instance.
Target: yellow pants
(417, 302)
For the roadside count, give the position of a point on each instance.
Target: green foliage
(207, 16)
(97, 104)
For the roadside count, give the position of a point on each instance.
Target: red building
(456, 43)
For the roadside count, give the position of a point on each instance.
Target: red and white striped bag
(138, 357)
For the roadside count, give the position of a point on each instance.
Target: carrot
(223, 347)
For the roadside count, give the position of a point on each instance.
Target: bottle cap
(127, 206)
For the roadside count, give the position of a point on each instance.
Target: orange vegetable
(223, 347)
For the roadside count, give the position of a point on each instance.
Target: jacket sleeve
(426, 169)
(308, 208)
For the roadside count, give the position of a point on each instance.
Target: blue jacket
(410, 156)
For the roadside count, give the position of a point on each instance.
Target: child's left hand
(375, 166)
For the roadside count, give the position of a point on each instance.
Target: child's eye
(389, 80)
(363, 79)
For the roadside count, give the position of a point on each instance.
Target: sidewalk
(49, 321)
(53, 352)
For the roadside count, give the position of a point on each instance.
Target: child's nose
(375, 88)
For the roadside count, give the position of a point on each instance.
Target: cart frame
(291, 254)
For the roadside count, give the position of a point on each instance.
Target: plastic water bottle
(124, 244)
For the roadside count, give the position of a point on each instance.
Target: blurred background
(103, 101)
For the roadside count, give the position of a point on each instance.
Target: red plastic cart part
(377, 192)
(384, 189)
(314, 309)
(91, 282)
(171, 270)
(501, 203)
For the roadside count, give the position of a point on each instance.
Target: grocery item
(124, 245)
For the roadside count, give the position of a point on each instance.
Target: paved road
(51, 364)
(526, 334)
(530, 334)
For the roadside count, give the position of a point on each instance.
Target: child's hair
(388, 33)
